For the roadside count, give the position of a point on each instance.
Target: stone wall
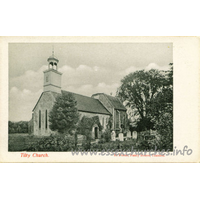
(52, 80)
(120, 118)
(45, 103)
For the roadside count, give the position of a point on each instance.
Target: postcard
(99, 99)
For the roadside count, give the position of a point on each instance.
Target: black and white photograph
(66, 97)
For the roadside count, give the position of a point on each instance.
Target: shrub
(164, 127)
(53, 143)
(107, 135)
(101, 141)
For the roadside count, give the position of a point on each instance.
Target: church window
(103, 121)
(47, 78)
(118, 121)
(39, 118)
(46, 119)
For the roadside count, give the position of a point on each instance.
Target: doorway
(96, 132)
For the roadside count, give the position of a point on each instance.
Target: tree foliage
(18, 127)
(164, 126)
(147, 93)
(64, 115)
(85, 126)
(86, 123)
(164, 118)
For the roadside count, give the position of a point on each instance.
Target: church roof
(115, 102)
(87, 104)
(52, 58)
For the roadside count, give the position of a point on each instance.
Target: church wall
(104, 100)
(52, 81)
(55, 78)
(52, 76)
(52, 88)
(45, 103)
(120, 118)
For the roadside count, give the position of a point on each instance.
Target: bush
(165, 129)
(86, 145)
(101, 141)
(18, 127)
(53, 143)
(106, 135)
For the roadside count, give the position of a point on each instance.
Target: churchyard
(29, 142)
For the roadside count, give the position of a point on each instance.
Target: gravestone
(121, 137)
(129, 134)
(113, 136)
(134, 135)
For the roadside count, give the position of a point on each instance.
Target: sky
(87, 68)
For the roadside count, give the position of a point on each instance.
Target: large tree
(64, 115)
(164, 113)
(146, 93)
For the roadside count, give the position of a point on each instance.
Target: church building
(102, 105)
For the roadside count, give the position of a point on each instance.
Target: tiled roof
(115, 102)
(87, 104)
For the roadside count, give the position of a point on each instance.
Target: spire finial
(52, 50)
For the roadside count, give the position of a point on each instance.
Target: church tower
(52, 77)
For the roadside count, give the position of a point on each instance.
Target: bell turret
(52, 77)
(53, 61)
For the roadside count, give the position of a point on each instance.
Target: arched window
(39, 118)
(117, 118)
(46, 120)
